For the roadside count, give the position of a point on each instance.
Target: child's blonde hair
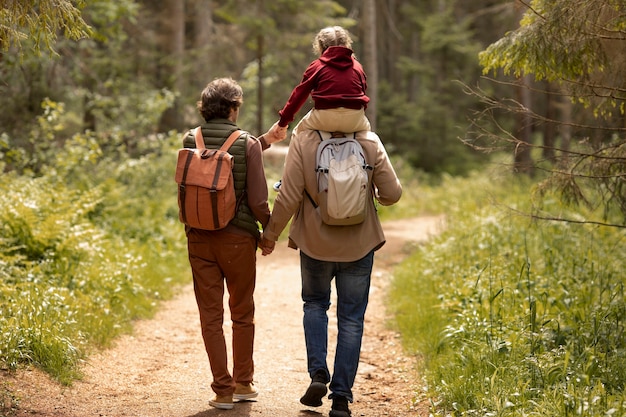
(331, 36)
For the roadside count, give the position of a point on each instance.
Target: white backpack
(342, 180)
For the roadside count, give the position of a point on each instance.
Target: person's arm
(263, 140)
(275, 134)
(389, 189)
(291, 192)
(256, 184)
(299, 95)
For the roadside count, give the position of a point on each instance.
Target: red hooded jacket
(334, 80)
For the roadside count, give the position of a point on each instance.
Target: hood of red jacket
(338, 57)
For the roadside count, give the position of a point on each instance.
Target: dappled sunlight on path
(162, 368)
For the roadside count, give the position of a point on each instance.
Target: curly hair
(219, 97)
(331, 36)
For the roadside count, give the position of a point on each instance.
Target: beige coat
(307, 232)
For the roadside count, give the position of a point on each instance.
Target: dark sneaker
(340, 407)
(316, 391)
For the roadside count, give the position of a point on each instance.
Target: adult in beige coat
(343, 253)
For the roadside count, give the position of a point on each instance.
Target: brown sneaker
(223, 402)
(245, 391)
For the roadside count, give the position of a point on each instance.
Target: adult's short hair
(219, 97)
(331, 36)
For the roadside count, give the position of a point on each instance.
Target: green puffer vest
(215, 134)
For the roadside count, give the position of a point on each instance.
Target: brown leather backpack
(206, 188)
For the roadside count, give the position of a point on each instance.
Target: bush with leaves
(569, 61)
(515, 317)
(87, 245)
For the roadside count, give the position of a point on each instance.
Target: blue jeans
(352, 280)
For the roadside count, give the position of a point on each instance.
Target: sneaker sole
(335, 413)
(314, 394)
(245, 396)
(221, 406)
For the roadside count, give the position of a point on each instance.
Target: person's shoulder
(367, 136)
(306, 135)
(304, 142)
(249, 138)
(370, 142)
(314, 65)
(357, 64)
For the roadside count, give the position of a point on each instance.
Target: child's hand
(276, 133)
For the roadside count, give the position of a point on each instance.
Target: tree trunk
(259, 107)
(549, 152)
(413, 83)
(522, 158)
(391, 44)
(370, 54)
(259, 57)
(174, 43)
(567, 109)
(523, 162)
(203, 31)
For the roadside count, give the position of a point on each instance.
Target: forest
(433, 91)
(154, 57)
(527, 96)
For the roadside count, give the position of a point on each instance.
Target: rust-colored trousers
(219, 257)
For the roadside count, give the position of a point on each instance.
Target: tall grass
(85, 248)
(514, 317)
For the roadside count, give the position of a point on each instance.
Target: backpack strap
(225, 147)
(315, 205)
(231, 139)
(197, 134)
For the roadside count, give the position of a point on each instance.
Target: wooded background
(134, 68)
(145, 57)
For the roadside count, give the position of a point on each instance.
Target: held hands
(266, 245)
(276, 133)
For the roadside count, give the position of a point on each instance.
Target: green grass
(510, 316)
(85, 249)
(515, 317)
(88, 244)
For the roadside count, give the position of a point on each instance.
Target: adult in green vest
(228, 255)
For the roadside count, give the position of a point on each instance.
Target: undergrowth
(87, 245)
(515, 317)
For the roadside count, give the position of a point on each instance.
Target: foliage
(575, 45)
(587, 174)
(513, 316)
(595, 181)
(424, 134)
(424, 123)
(579, 48)
(114, 82)
(104, 85)
(88, 245)
(40, 21)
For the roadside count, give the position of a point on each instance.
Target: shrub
(85, 248)
(515, 317)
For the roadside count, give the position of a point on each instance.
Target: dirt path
(162, 369)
